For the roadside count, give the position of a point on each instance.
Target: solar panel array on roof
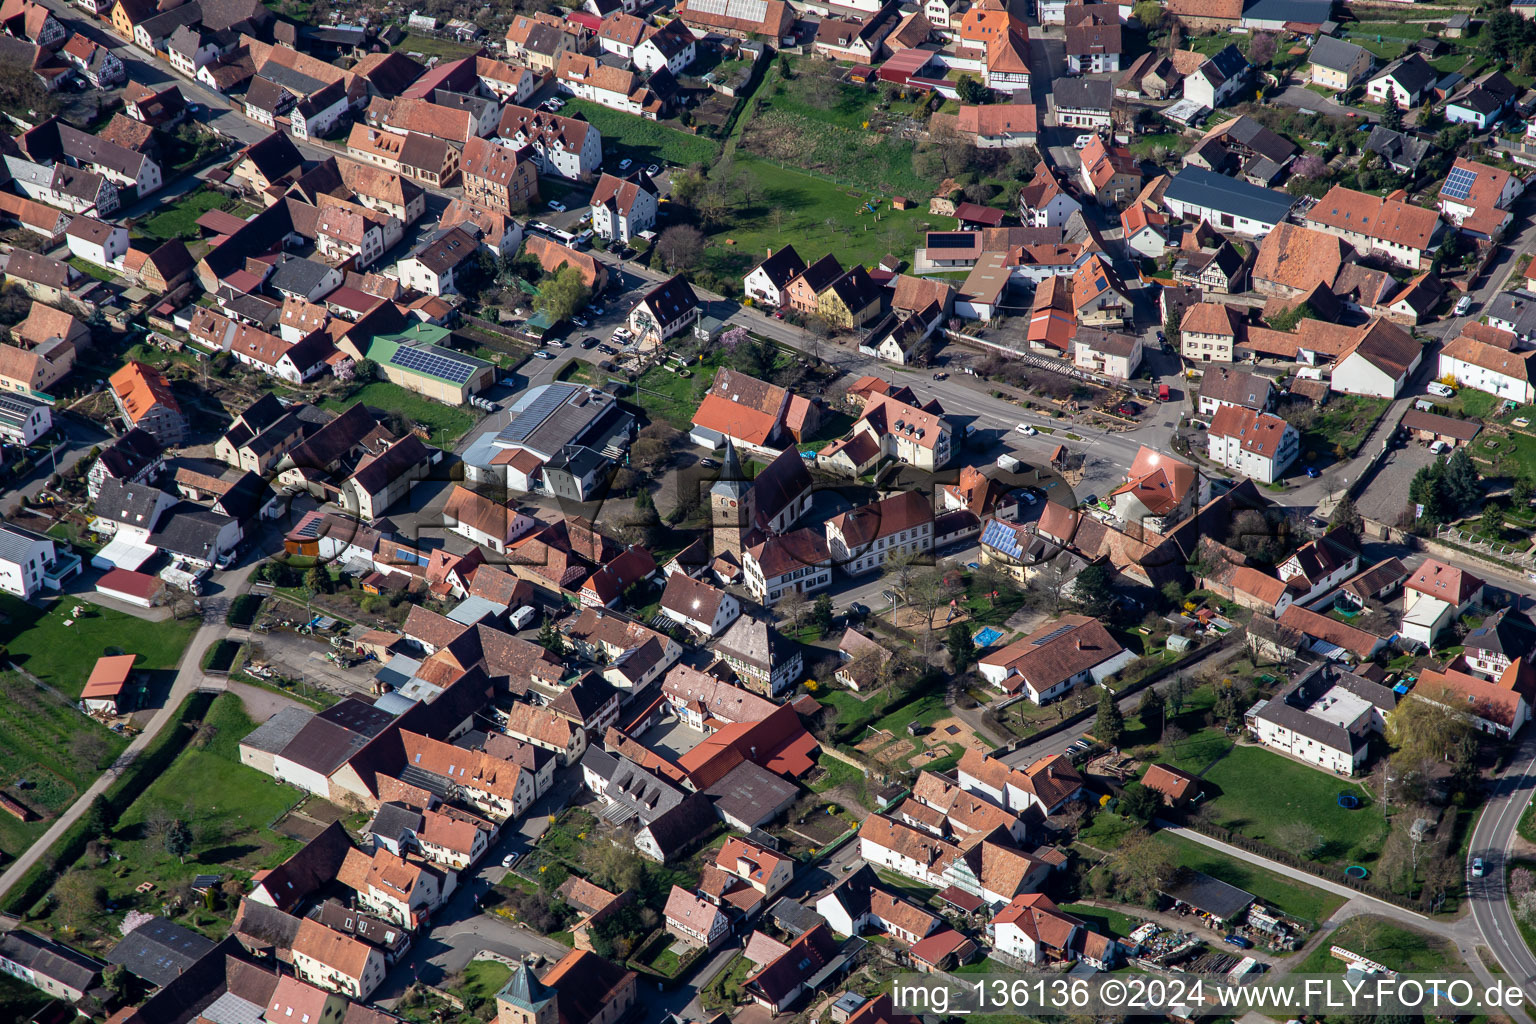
(431, 361)
(1000, 537)
(1458, 185)
(17, 406)
(746, 10)
(1052, 635)
(951, 239)
(537, 411)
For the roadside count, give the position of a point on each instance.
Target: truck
(1163, 393)
(181, 579)
(1010, 463)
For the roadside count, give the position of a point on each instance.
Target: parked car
(1238, 941)
(1026, 430)
(543, 354)
(589, 342)
(1082, 142)
(626, 164)
(1463, 304)
(581, 321)
(708, 463)
(1312, 473)
(1434, 387)
(1438, 447)
(1127, 409)
(510, 859)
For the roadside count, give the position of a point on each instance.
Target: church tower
(732, 506)
(526, 1000)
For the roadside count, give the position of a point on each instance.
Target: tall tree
(793, 606)
(1346, 517)
(552, 640)
(1109, 725)
(1093, 588)
(821, 614)
(962, 649)
(178, 840)
(1462, 484)
(561, 294)
(680, 247)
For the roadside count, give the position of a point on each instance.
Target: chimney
(1079, 645)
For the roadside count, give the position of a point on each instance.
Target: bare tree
(680, 246)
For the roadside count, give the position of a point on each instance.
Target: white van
(1434, 387)
(523, 616)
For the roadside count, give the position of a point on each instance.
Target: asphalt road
(1491, 840)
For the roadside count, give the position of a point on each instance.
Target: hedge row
(119, 796)
(243, 609)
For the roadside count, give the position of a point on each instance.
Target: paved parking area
(1385, 497)
(304, 657)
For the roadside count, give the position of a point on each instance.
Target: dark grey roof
(795, 919)
(1199, 187)
(853, 892)
(357, 715)
(750, 794)
(260, 927)
(189, 529)
(1335, 54)
(1248, 132)
(244, 498)
(394, 820)
(129, 503)
(1507, 632)
(159, 950)
(131, 453)
(297, 275)
(1083, 93)
(642, 794)
(49, 959)
(1518, 308)
(1301, 12)
(1397, 148)
(1225, 64)
(1212, 895)
(576, 459)
(683, 825)
(599, 762)
(278, 731)
(1412, 72)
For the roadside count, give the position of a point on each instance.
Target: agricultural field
(51, 753)
(228, 809)
(856, 135)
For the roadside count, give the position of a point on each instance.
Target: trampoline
(1357, 872)
(1349, 801)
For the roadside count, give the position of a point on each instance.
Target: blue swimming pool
(987, 637)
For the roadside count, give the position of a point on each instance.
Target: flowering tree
(1309, 166)
(134, 918)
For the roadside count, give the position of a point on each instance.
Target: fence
(1074, 720)
(1510, 555)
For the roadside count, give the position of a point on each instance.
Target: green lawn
(1257, 792)
(90, 269)
(1294, 898)
(1477, 404)
(226, 805)
(1199, 751)
(179, 220)
(1107, 831)
(63, 655)
(1345, 420)
(837, 773)
(431, 46)
(1104, 920)
(642, 140)
(484, 978)
(829, 127)
(671, 398)
(819, 216)
(1388, 943)
(54, 748)
(1514, 455)
(446, 422)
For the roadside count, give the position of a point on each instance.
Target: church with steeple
(583, 988)
(745, 511)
